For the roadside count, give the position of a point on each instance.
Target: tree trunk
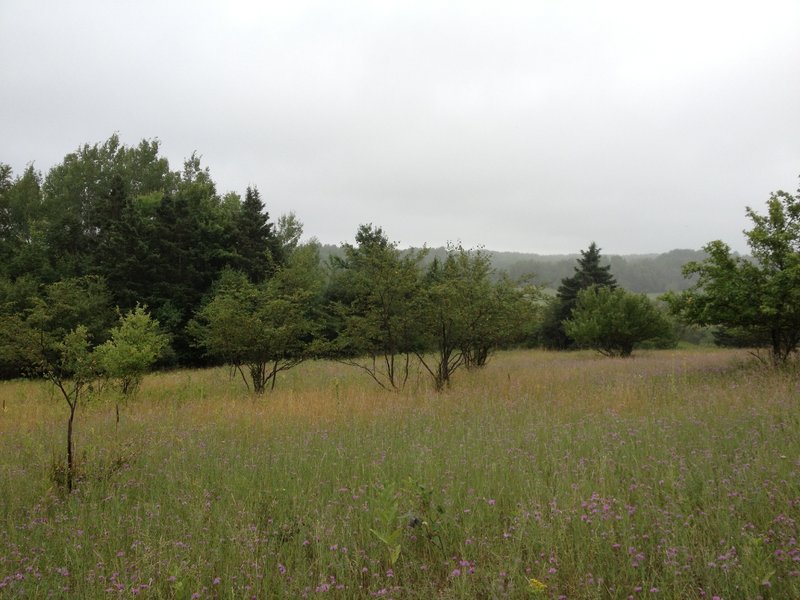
(258, 373)
(70, 458)
(443, 372)
(779, 356)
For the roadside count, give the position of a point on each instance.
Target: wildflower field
(675, 474)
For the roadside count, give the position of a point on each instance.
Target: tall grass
(673, 474)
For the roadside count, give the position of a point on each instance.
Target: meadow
(674, 474)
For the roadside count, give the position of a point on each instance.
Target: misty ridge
(640, 273)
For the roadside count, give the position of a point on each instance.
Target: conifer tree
(588, 273)
(256, 245)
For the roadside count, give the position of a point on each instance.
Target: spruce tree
(588, 273)
(256, 246)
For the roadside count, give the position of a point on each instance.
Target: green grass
(675, 474)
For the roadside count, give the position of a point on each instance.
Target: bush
(613, 322)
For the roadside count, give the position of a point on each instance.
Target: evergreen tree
(22, 247)
(255, 244)
(187, 255)
(588, 273)
(125, 250)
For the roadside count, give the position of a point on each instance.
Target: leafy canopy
(376, 290)
(135, 345)
(760, 296)
(264, 328)
(615, 321)
(463, 315)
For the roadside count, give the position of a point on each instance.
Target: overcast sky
(533, 126)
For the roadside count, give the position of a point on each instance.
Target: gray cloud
(516, 125)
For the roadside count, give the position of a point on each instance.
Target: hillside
(641, 273)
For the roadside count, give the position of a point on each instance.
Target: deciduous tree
(615, 321)
(134, 346)
(377, 307)
(255, 244)
(462, 316)
(263, 328)
(758, 296)
(55, 338)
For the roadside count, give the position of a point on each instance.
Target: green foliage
(589, 273)
(426, 517)
(38, 324)
(54, 339)
(264, 328)
(75, 358)
(386, 310)
(511, 313)
(157, 237)
(614, 321)
(16, 298)
(135, 345)
(423, 522)
(462, 316)
(390, 526)
(376, 291)
(85, 194)
(754, 299)
(22, 248)
(288, 232)
(551, 332)
(160, 238)
(258, 251)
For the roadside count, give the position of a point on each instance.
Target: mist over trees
(216, 280)
(640, 273)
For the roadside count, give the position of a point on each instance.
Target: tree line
(115, 229)
(112, 228)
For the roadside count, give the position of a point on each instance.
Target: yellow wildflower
(536, 586)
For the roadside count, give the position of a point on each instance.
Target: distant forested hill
(641, 273)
